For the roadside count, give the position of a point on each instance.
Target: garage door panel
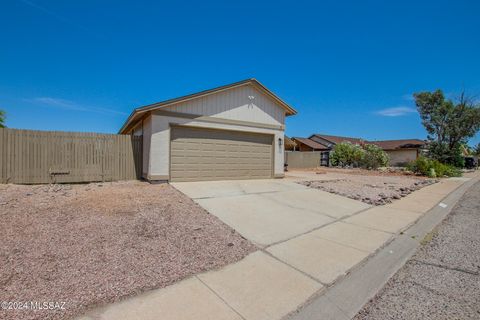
(202, 154)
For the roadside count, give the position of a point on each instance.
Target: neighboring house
(230, 132)
(403, 151)
(330, 141)
(399, 151)
(304, 144)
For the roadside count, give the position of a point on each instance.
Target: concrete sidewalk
(442, 279)
(305, 248)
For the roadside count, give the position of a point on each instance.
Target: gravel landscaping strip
(91, 244)
(372, 189)
(442, 280)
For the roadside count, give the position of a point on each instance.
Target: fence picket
(28, 156)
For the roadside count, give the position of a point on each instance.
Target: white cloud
(396, 111)
(59, 103)
(70, 105)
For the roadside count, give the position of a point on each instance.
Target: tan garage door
(203, 154)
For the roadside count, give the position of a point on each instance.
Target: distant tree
(449, 124)
(477, 149)
(2, 119)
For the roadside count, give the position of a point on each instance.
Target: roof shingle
(312, 144)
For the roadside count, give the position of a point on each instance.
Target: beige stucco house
(400, 152)
(230, 132)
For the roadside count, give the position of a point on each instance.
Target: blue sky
(348, 67)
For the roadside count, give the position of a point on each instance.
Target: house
(330, 141)
(305, 144)
(231, 132)
(400, 152)
(403, 151)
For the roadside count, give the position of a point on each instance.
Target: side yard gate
(28, 157)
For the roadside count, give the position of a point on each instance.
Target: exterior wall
(400, 157)
(234, 104)
(138, 129)
(159, 165)
(147, 133)
(231, 109)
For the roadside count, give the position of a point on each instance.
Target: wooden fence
(29, 157)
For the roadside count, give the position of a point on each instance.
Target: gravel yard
(442, 280)
(365, 186)
(91, 244)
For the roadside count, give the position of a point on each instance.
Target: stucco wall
(400, 157)
(258, 112)
(147, 132)
(160, 142)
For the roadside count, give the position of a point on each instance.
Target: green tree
(374, 157)
(477, 149)
(449, 124)
(346, 154)
(2, 119)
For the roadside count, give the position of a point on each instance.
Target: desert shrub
(448, 155)
(433, 168)
(373, 157)
(346, 154)
(420, 165)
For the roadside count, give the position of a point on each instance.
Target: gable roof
(399, 144)
(139, 112)
(384, 144)
(338, 139)
(310, 143)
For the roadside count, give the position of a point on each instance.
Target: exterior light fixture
(280, 142)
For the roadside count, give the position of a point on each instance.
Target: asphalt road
(442, 279)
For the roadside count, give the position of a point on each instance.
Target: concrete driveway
(269, 211)
(308, 240)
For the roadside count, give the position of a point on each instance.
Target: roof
(312, 144)
(399, 144)
(338, 139)
(141, 111)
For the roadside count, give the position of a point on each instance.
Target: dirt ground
(87, 245)
(370, 186)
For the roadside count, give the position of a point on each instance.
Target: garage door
(203, 154)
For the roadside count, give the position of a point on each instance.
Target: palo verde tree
(449, 124)
(2, 119)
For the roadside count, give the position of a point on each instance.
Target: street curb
(343, 300)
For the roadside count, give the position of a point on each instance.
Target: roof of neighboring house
(139, 112)
(338, 139)
(398, 144)
(312, 144)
